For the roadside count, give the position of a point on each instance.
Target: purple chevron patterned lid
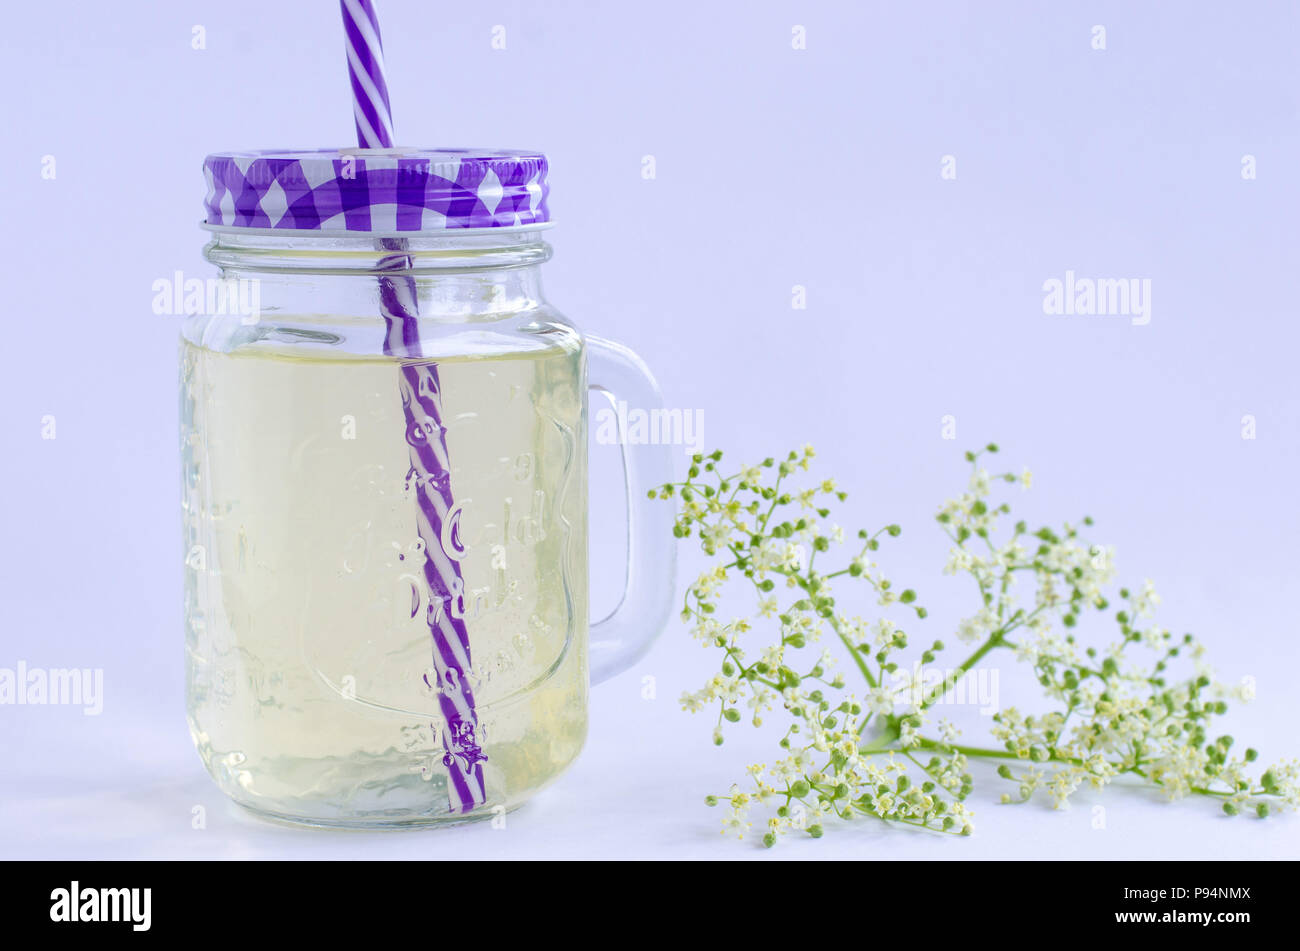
(382, 191)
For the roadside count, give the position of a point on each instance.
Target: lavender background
(775, 167)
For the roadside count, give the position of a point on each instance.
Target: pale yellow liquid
(307, 638)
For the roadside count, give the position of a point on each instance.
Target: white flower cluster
(1118, 708)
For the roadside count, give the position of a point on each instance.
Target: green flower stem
(973, 751)
(980, 752)
(885, 742)
(994, 641)
(856, 654)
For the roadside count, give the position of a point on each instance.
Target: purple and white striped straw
(430, 470)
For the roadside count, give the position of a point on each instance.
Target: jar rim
(344, 252)
(375, 235)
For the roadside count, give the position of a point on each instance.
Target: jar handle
(622, 638)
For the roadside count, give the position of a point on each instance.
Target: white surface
(125, 787)
(124, 784)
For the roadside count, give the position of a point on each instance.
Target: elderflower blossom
(1143, 704)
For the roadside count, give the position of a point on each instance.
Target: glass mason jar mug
(384, 440)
